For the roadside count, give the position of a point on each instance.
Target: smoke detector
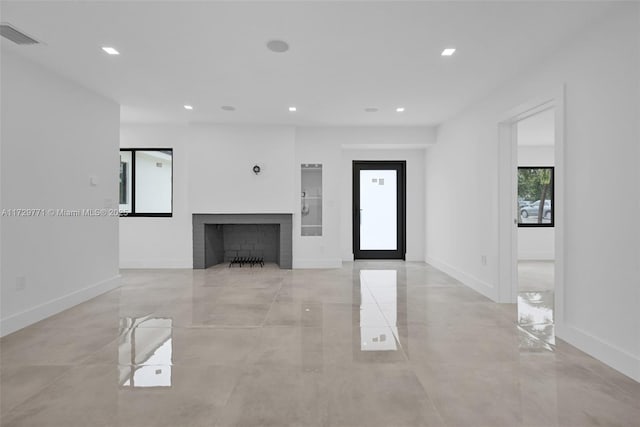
(277, 46)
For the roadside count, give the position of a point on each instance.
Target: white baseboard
(413, 258)
(35, 314)
(607, 353)
(536, 256)
(157, 263)
(485, 288)
(317, 263)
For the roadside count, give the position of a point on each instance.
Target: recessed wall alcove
(217, 238)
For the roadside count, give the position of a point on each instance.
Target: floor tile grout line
(273, 300)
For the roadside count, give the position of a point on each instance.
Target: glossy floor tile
(536, 286)
(536, 275)
(371, 344)
(535, 321)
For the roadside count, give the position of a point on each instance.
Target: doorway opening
(535, 235)
(379, 209)
(545, 318)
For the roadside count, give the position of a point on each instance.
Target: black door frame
(400, 166)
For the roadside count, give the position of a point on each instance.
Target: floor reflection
(378, 310)
(145, 352)
(455, 360)
(378, 315)
(535, 321)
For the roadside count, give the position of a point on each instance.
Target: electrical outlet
(21, 283)
(483, 260)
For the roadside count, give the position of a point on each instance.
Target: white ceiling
(537, 130)
(344, 56)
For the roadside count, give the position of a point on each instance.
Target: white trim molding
(478, 285)
(317, 263)
(35, 314)
(607, 353)
(156, 263)
(507, 193)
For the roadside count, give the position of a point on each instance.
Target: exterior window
(535, 197)
(146, 182)
(125, 181)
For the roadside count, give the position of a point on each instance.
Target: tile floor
(536, 275)
(536, 294)
(371, 344)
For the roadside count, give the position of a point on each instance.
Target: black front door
(379, 209)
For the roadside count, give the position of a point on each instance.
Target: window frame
(552, 199)
(133, 212)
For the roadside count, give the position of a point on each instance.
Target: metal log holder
(249, 260)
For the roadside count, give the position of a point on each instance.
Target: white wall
(336, 148)
(159, 242)
(536, 243)
(601, 292)
(55, 135)
(212, 166)
(415, 198)
(535, 155)
(212, 174)
(317, 145)
(220, 165)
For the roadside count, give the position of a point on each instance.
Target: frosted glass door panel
(378, 210)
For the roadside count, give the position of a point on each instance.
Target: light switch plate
(21, 283)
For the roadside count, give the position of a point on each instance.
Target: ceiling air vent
(10, 33)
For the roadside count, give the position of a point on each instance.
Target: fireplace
(220, 238)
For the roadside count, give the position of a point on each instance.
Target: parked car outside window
(533, 209)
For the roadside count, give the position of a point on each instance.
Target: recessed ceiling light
(371, 109)
(448, 52)
(293, 109)
(400, 109)
(278, 46)
(228, 108)
(188, 107)
(110, 50)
